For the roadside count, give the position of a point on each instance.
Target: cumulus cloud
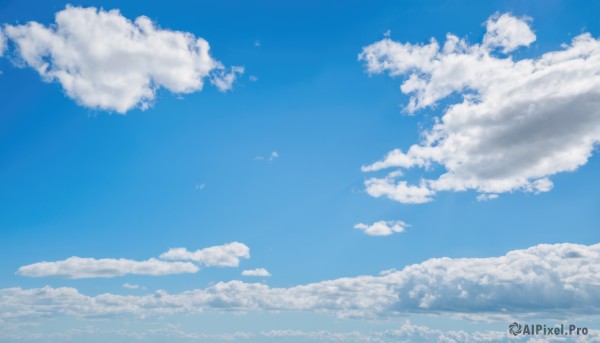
(559, 279)
(104, 60)
(507, 32)
(81, 268)
(382, 227)
(226, 255)
(517, 122)
(256, 272)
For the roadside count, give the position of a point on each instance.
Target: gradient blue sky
(85, 182)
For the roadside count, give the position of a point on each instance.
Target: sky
(262, 171)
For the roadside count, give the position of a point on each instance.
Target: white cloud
(80, 268)
(132, 286)
(382, 227)
(517, 124)
(507, 32)
(226, 255)
(400, 191)
(104, 60)
(486, 197)
(224, 79)
(256, 272)
(407, 332)
(274, 155)
(559, 279)
(2, 43)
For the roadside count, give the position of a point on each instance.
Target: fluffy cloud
(507, 32)
(104, 60)
(226, 255)
(517, 123)
(256, 272)
(544, 279)
(382, 227)
(80, 268)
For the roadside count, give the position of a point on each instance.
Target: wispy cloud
(132, 286)
(2, 43)
(486, 197)
(518, 123)
(272, 156)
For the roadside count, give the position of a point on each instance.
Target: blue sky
(271, 156)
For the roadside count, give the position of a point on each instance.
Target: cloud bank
(517, 123)
(407, 332)
(227, 255)
(104, 60)
(81, 268)
(544, 279)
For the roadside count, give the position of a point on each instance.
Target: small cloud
(226, 255)
(274, 155)
(388, 271)
(256, 272)
(253, 78)
(382, 227)
(395, 174)
(223, 78)
(200, 186)
(257, 43)
(131, 286)
(387, 33)
(487, 197)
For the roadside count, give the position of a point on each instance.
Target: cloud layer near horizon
(560, 279)
(104, 60)
(517, 122)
